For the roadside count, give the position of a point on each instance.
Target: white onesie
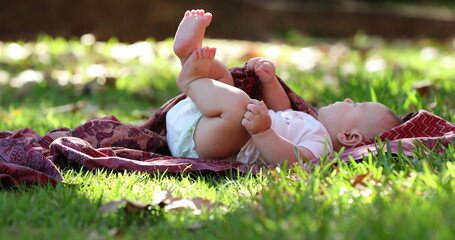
(298, 127)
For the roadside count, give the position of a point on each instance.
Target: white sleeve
(319, 144)
(315, 138)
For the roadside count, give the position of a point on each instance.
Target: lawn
(53, 82)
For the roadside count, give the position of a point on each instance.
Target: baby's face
(349, 114)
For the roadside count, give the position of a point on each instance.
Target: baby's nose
(348, 100)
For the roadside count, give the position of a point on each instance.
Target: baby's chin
(322, 111)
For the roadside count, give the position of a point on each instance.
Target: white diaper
(181, 121)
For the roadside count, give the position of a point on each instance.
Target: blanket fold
(107, 143)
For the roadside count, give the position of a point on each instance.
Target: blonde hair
(380, 124)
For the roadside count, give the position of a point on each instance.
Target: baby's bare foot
(190, 33)
(197, 66)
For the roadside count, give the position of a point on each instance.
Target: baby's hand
(264, 68)
(256, 118)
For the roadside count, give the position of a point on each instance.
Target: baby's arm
(272, 92)
(274, 148)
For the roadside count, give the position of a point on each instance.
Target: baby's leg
(189, 37)
(219, 133)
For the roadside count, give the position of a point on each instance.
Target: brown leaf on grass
(163, 200)
(196, 205)
(134, 207)
(202, 202)
(130, 206)
(359, 179)
(166, 200)
(423, 87)
(111, 206)
(180, 204)
(359, 182)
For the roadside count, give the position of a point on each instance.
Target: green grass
(381, 197)
(71, 210)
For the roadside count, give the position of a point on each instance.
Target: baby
(220, 121)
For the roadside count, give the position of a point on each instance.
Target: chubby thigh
(181, 121)
(219, 133)
(219, 138)
(190, 134)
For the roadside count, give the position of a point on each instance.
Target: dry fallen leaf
(130, 206)
(195, 204)
(423, 87)
(111, 206)
(359, 182)
(359, 179)
(180, 204)
(134, 207)
(163, 200)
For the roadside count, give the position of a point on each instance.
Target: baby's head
(350, 123)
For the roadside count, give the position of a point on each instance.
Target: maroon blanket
(28, 158)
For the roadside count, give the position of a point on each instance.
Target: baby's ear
(350, 138)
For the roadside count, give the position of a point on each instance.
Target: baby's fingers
(257, 106)
(256, 118)
(249, 116)
(250, 65)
